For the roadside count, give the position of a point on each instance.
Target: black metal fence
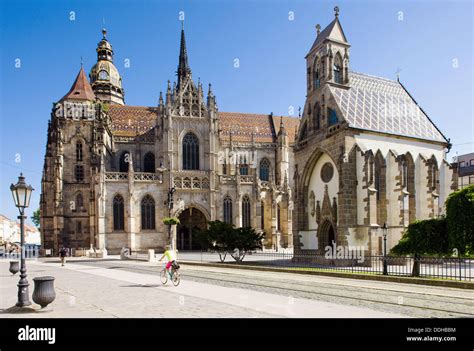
(452, 268)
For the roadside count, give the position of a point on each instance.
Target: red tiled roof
(137, 120)
(132, 120)
(81, 89)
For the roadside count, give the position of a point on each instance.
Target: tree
(423, 237)
(226, 239)
(36, 218)
(460, 218)
(428, 236)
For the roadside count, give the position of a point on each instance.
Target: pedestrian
(62, 255)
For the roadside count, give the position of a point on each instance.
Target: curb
(391, 279)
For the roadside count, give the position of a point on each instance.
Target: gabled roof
(81, 89)
(332, 32)
(383, 105)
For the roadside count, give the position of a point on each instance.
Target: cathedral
(363, 154)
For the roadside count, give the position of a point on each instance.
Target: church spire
(183, 66)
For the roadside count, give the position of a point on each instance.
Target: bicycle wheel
(164, 276)
(176, 278)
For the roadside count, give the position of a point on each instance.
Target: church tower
(327, 63)
(104, 76)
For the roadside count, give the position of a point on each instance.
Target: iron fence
(453, 268)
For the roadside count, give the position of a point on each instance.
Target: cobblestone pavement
(397, 298)
(114, 288)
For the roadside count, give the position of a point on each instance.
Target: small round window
(327, 171)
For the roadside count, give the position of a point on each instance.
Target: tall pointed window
(79, 201)
(228, 210)
(337, 69)
(123, 162)
(79, 173)
(317, 116)
(278, 218)
(262, 215)
(265, 170)
(190, 152)
(119, 222)
(245, 212)
(79, 152)
(148, 212)
(332, 117)
(243, 166)
(149, 163)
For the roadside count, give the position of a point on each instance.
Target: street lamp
(384, 233)
(21, 195)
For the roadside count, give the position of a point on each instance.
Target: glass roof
(383, 105)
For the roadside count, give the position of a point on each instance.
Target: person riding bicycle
(170, 256)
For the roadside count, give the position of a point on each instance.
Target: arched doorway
(326, 235)
(191, 220)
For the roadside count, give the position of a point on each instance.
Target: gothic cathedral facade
(362, 154)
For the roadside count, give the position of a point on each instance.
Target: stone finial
(336, 11)
(318, 29)
(104, 32)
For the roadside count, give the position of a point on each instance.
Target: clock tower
(104, 76)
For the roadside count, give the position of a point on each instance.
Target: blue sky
(431, 45)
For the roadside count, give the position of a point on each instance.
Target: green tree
(226, 239)
(423, 237)
(36, 218)
(460, 218)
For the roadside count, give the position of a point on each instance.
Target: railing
(137, 176)
(142, 176)
(191, 180)
(461, 269)
(246, 179)
(116, 176)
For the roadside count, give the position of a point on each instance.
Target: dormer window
(337, 74)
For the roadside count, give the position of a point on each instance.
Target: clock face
(103, 75)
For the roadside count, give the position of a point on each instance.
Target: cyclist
(170, 256)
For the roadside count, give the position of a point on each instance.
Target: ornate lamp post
(384, 233)
(21, 195)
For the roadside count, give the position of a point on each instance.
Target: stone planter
(44, 292)
(14, 267)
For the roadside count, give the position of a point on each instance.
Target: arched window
(119, 223)
(265, 170)
(79, 173)
(190, 151)
(124, 160)
(317, 116)
(262, 217)
(337, 70)
(228, 210)
(243, 166)
(304, 132)
(149, 163)
(148, 212)
(79, 152)
(245, 212)
(79, 201)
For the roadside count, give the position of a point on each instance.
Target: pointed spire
(209, 92)
(183, 66)
(81, 89)
(160, 100)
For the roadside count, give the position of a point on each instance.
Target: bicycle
(174, 274)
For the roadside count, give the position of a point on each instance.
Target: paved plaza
(115, 288)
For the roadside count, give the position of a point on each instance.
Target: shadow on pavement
(142, 286)
(24, 310)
